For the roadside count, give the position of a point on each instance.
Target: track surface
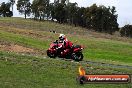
(88, 62)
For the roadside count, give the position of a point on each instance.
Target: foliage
(60, 12)
(40, 8)
(24, 7)
(72, 10)
(12, 2)
(126, 31)
(5, 10)
(98, 18)
(101, 19)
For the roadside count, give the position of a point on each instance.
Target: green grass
(24, 71)
(37, 25)
(19, 71)
(27, 41)
(96, 49)
(106, 50)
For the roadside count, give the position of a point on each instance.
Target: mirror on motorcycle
(56, 41)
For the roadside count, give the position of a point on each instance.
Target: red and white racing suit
(66, 45)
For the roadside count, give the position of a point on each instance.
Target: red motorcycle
(75, 52)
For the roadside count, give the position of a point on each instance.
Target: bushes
(126, 31)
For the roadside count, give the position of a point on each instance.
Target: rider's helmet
(61, 36)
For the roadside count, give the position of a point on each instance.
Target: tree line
(5, 9)
(97, 18)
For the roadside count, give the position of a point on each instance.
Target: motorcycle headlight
(81, 48)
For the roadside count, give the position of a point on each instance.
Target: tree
(72, 9)
(52, 11)
(35, 9)
(126, 31)
(101, 18)
(80, 19)
(5, 10)
(90, 16)
(98, 18)
(40, 8)
(59, 12)
(12, 2)
(24, 7)
(47, 10)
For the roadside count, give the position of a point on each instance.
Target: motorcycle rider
(63, 48)
(66, 44)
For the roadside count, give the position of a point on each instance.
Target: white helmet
(61, 36)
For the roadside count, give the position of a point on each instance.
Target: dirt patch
(16, 48)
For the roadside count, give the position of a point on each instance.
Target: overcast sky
(123, 8)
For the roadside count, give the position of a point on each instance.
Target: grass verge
(18, 71)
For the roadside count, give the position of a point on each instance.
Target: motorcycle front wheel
(77, 56)
(51, 55)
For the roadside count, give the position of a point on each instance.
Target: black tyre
(77, 56)
(81, 79)
(51, 55)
